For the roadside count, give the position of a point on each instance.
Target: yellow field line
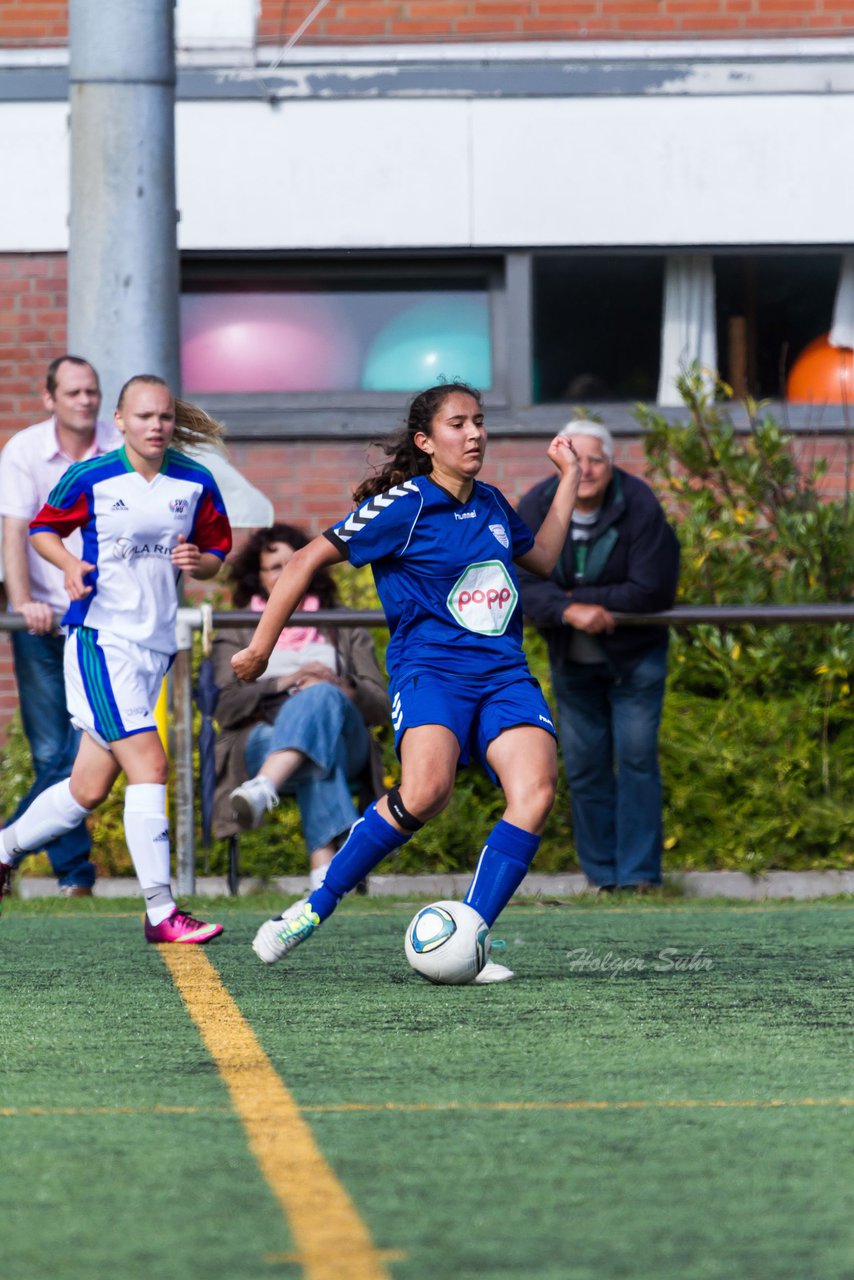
(323, 1219)
(112, 1111)
(571, 1104)
(585, 1104)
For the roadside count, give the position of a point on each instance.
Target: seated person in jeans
(303, 728)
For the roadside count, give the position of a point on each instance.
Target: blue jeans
(53, 745)
(608, 728)
(322, 723)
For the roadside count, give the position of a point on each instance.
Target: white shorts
(111, 685)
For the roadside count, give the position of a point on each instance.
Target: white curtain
(688, 326)
(842, 328)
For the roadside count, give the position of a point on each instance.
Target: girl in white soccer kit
(148, 513)
(442, 547)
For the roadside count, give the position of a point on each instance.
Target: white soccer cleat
(252, 801)
(492, 972)
(277, 937)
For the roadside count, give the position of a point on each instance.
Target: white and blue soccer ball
(447, 942)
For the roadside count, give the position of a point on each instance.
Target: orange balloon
(822, 374)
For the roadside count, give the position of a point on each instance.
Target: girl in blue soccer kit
(442, 546)
(148, 513)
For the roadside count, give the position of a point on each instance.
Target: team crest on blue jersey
(500, 534)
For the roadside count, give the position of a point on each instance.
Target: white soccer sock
(316, 877)
(51, 814)
(147, 836)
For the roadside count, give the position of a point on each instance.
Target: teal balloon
(432, 342)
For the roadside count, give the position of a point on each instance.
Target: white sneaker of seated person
(252, 801)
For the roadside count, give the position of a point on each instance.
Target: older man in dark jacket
(621, 556)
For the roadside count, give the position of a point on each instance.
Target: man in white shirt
(30, 465)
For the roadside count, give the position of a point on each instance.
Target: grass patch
(607, 1114)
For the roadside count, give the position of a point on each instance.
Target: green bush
(754, 529)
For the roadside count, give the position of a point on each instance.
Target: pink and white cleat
(179, 927)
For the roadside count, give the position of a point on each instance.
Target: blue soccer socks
(503, 865)
(370, 840)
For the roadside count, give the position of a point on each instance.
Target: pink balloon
(266, 342)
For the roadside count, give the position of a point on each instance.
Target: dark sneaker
(6, 873)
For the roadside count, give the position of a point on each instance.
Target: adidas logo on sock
(164, 835)
(119, 506)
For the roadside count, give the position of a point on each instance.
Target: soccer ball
(446, 942)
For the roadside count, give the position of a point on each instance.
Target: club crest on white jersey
(483, 598)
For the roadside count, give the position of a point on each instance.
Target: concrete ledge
(799, 885)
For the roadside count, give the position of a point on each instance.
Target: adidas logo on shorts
(164, 835)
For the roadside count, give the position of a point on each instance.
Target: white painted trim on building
(476, 174)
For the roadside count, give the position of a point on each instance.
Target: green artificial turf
(665, 1093)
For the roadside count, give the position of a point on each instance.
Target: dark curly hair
(244, 569)
(405, 458)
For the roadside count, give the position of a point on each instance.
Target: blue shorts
(475, 713)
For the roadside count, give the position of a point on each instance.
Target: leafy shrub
(754, 529)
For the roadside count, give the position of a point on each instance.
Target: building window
(332, 333)
(596, 327)
(769, 307)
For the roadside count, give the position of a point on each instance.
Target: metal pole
(123, 255)
(182, 751)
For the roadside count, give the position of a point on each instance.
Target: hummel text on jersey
(464, 515)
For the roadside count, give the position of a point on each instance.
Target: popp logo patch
(483, 598)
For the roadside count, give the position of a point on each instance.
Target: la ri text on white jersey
(444, 573)
(130, 526)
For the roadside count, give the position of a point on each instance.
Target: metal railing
(204, 619)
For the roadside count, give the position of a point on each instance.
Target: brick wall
(37, 22)
(33, 299)
(33, 22)
(354, 21)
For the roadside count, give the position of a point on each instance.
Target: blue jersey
(445, 577)
(130, 526)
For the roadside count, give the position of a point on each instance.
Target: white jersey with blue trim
(444, 574)
(130, 526)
